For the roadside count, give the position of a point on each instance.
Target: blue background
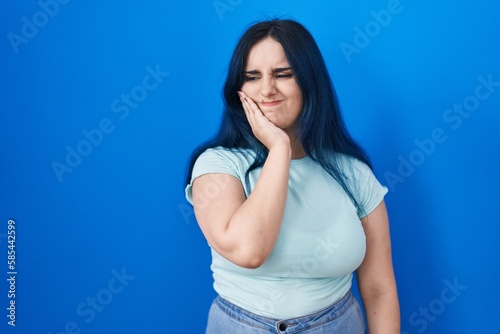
(121, 210)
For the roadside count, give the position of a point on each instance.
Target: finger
(253, 106)
(250, 116)
(247, 107)
(244, 101)
(253, 109)
(255, 116)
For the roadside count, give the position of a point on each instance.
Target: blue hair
(320, 127)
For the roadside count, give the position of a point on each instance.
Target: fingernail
(239, 94)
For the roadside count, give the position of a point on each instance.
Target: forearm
(255, 226)
(382, 313)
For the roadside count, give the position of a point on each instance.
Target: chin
(278, 124)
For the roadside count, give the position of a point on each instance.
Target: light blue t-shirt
(321, 241)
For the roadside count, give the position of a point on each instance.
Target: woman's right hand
(263, 129)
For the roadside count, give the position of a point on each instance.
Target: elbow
(247, 254)
(377, 290)
(252, 263)
(251, 260)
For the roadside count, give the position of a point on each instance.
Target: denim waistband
(292, 325)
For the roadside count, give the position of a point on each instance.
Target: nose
(268, 88)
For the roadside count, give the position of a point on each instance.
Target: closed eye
(277, 76)
(251, 78)
(278, 73)
(284, 75)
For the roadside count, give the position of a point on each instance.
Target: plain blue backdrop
(102, 103)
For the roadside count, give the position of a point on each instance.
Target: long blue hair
(320, 126)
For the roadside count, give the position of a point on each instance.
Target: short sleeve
(210, 161)
(370, 192)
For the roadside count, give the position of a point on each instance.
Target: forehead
(267, 53)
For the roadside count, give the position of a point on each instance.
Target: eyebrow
(274, 70)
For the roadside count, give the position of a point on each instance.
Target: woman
(287, 200)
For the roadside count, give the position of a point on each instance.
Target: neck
(298, 151)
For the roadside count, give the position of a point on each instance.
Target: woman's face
(270, 82)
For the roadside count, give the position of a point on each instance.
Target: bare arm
(244, 231)
(376, 282)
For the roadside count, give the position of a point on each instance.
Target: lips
(270, 103)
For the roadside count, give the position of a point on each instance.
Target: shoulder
(239, 153)
(353, 168)
(220, 160)
(234, 156)
(364, 185)
(233, 161)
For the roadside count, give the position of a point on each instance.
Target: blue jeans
(344, 317)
